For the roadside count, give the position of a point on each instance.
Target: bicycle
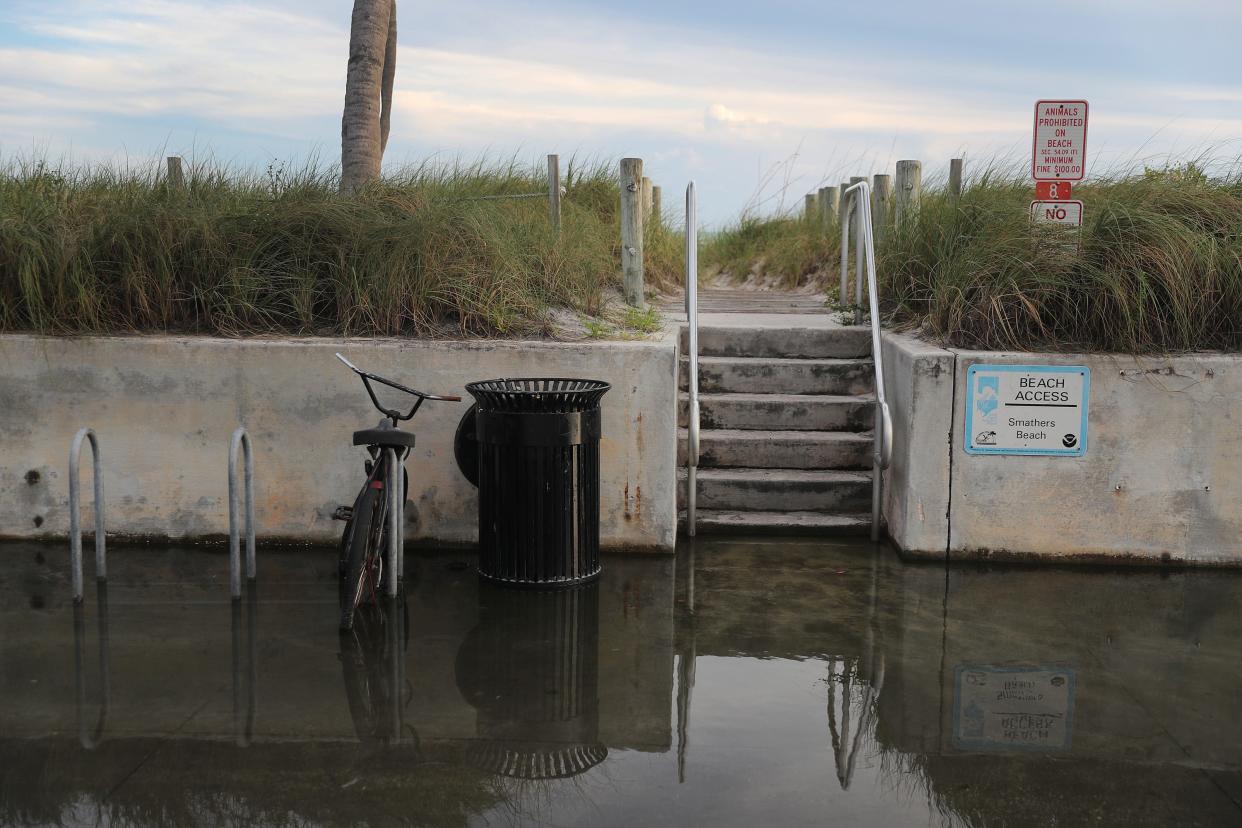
(360, 566)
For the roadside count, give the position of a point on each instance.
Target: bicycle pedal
(343, 513)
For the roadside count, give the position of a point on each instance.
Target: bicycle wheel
(365, 561)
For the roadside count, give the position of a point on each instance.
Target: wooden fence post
(808, 209)
(176, 178)
(554, 191)
(955, 177)
(829, 205)
(632, 230)
(909, 189)
(881, 202)
(648, 196)
(841, 199)
(656, 214)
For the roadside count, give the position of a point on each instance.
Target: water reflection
(245, 665)
(768, 682)
(373, 663)
(530, 667)
(103, 699)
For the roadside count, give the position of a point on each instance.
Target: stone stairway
(786, 409)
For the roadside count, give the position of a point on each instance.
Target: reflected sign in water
(1012, 708)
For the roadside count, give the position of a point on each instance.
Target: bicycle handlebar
(367, 377)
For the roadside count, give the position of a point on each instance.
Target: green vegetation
(1158, 265)
(101, 250)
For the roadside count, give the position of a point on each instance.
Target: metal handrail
(882, 452)
(692, 327)
(240, 439)
(75, 513)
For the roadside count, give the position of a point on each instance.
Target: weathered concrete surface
(164, 408)
(1161, 478)
(919, 384)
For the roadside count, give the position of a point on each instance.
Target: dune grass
(96, 249)
(1157, 266)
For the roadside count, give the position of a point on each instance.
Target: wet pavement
(769, 682)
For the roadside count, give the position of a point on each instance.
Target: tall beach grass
(98, 249)
(1157, 266)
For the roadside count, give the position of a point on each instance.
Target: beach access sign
(1013, 708)
(1060, 149)
(1027, 409)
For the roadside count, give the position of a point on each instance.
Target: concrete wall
(918, 381)
(164, 408)
(1161, 480)
(1161, 477)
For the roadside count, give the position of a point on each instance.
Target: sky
(758, 102)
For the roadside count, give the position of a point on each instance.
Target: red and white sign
(1053, 190)
(1060, 148)
(1065, 213)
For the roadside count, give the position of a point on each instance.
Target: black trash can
(538, 477)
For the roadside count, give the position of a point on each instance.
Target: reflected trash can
(530, 668)
(537, 469)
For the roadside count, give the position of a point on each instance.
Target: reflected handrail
(867, 669)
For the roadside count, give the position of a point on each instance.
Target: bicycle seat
(386, 437)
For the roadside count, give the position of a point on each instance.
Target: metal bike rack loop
(692, 346)
(883, 449)
(396, 520)
(240, 439)
(75, 513)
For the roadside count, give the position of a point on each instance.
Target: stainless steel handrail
(240, 439)
(75, 512)
(692, 328)
(860, 206)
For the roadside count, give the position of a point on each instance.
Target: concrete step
(780, 449)
(768, 375)
(787, 342)
(772, 490)
(784, 412)
(710, 521)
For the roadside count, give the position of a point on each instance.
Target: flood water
(769, 682)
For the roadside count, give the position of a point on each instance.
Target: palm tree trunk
(368, 91)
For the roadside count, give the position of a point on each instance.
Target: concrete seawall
(164, 408)
(1160, 482)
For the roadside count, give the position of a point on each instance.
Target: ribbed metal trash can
(538, 478)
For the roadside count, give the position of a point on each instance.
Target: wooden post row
(632, 230)
(554, 191)
(881, 202)
(955, 177)
(829, 205)
(176, 178)
(909, 189)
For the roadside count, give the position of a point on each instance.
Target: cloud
(491, 75)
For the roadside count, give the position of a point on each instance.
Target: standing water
(751, 682)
